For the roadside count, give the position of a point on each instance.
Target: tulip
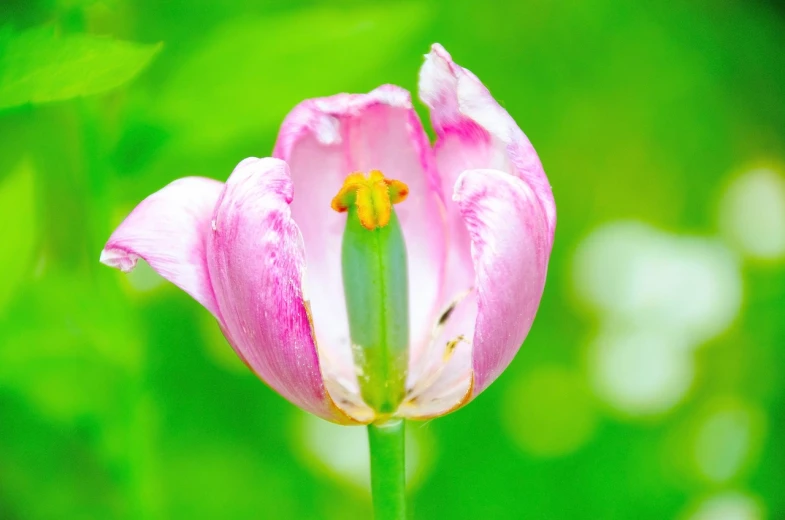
(363, 274)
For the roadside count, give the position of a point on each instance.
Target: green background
(120, 399)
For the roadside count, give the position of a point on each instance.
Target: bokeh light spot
(633, 272)
(657, 296)
(727, 438)
(730, 505)
(752, 214)
(640, 371)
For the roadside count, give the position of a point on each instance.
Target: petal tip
(266, 167)
(466, 180)
(438, 50)
(392, 95)
(118, 258)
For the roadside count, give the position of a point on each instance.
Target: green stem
(388, 481)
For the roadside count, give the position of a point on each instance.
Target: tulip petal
(511, 244)
(510, 247)
(441, 379)
(257, 261)
(501, 230)
(168, 230)
(324, 140)
(474, 132)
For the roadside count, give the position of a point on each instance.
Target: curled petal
(474, 132)
(169, 230)
(256, 262)
(481, 330)
(483, 134)
(324, 140)
(511, 243)
(501, 225)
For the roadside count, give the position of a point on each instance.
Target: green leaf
(17, 207)
(39, 66)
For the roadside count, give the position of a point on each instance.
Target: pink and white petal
(323, 140)
(464, 110)
(484, 328)
(168, 230)
(256, 262)
(442, 379)
(474, 132)
(510, 247)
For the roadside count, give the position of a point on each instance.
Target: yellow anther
(373, 196)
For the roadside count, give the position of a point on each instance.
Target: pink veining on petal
(256, 262)
(510, 248)
(497, 243)
(474, 132)
(169, 230)
(511, 245)
(246, 260)
(323, 140)
(462, 107)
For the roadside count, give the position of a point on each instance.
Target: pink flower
(262, 251)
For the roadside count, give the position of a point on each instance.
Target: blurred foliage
(119, 398)
(39, 67)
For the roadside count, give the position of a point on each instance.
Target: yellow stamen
(373, 195)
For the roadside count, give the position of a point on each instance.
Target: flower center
(373, 195)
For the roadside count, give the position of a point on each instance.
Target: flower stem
(387, 470)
